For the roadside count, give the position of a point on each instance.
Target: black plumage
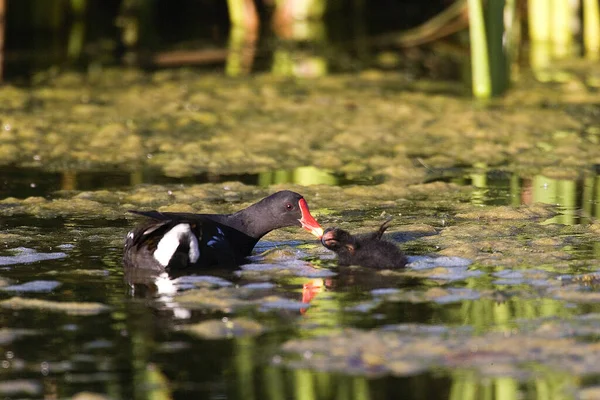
(168, 241)
(368, 250)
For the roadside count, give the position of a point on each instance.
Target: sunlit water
(126, 337)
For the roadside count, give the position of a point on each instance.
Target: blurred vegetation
(284, 131)
(306, 38)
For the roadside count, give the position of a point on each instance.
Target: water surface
(495, 206)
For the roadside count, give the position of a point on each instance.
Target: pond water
(93, 331)
(495, 206)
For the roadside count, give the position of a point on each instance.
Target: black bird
(170, 241)
(367, 250)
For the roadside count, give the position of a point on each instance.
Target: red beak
(308, 222)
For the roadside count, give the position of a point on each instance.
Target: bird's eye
(289, 206)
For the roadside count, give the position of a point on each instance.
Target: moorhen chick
(367, 250)
(170, 241)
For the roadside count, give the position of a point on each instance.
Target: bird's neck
(246, 221)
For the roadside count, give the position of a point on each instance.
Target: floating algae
(407, 349)
(72, 308)
(74, 125)
(225, 328)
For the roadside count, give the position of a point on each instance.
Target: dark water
(22, 183)
(136, 350)
(576, 197)
(114, 352)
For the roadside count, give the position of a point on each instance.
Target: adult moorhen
(364, 250)
(170, 241)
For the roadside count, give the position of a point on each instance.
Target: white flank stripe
(194, 253)
(170, 242)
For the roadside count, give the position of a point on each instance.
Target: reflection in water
(69, 180)
(468, 385)
(301, 176)
(556, 191)
(249, 373)
(244, 356)
(149, 356)
(578, 199)
(25, 182)
(480, 182)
